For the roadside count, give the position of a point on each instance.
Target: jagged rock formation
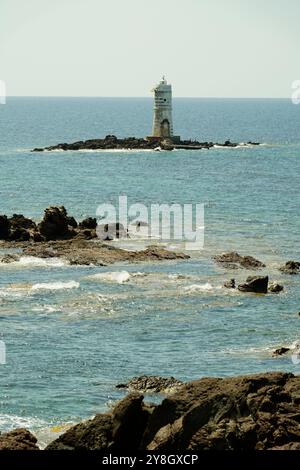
(233, 260)
(255, 412)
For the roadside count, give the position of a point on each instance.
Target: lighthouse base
(174, 139)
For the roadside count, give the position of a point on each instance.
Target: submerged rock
(257, 284)
(254, 412)
(233, 260)
(281, 351)
(230, 284)
(291, 267)
(275, 288)
(83, 252)
(18, 439)
(9, 258)
(152, 384)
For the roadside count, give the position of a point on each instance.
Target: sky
(205, 48)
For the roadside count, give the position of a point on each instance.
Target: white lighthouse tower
(162, 119)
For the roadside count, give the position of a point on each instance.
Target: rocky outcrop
(257, 284)
(55, 224)
(233, 260)
(122, 428)
(291, 267)
(281, 351)
(255, 412)
(131, 143)
(89, 223)
(82, 252)
(152, 384)
(18, 439)
(95, 434)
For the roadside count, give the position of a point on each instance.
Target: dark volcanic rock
(18, 439)
(112, 142)
(95, 434)
(234, 260)
(130, 418)
(18, 221)
(89, 223)
(230, 284)
(4, 227)
(19, 234)
(55, 224)
(255, 412)
(257, 284)
(240, 413)
(291, 267)
(72, 222)
(152, 384)
(275, 288)
(281, 351)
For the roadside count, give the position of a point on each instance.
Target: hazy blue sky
(228, 48)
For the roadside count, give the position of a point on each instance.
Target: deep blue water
(67, 348)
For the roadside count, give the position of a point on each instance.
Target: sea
(72, 333)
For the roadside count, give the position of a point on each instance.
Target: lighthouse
(162, 118)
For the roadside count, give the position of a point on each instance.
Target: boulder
(281, 351)
(230, 284)
(275, 288)
(55, 224)
(4, 227)
(257, 284)
(18, 439)
(89, 223)
(291, 267)
(152, 384)
(234, 260)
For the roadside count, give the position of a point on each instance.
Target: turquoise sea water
(71, 338)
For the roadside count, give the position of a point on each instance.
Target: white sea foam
(33, 261)
(55, 285)
(41, 262)
(115, 276)
(199, 288)
(8, 422)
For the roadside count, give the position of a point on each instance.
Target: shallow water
(72, 333)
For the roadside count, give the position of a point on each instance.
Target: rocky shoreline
(111, 142)
(251, 412)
